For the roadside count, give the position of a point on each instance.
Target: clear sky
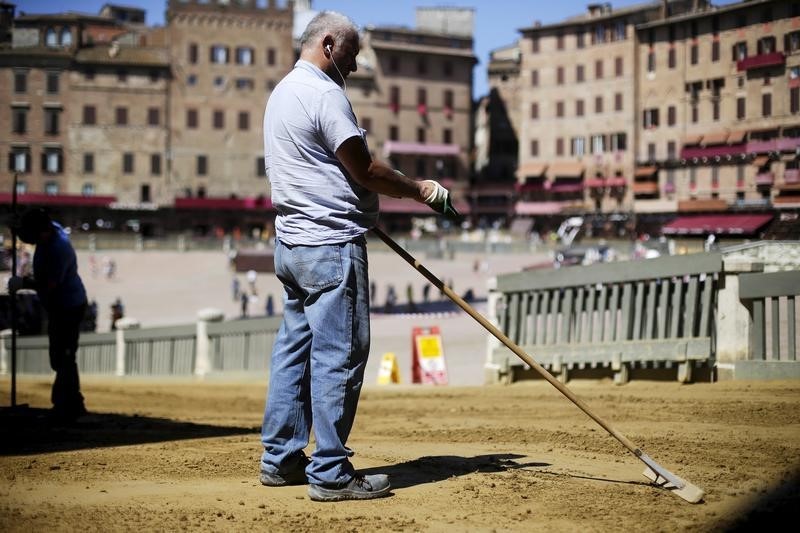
(496, 21)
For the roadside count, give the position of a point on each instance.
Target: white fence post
(122, 324)
(5, 334)
(734, 322)
(202, 362)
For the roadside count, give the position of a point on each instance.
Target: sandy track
(182, 455)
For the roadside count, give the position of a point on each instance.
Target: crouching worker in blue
(61, 292)
(325, 189)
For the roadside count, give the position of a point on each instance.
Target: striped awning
(715, 138)
(736, 137)
(566, 170)
(530, 169)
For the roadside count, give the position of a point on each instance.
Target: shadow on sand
(28, 430)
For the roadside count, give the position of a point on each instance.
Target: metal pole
(13, 295)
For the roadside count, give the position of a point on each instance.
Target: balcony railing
(772, 59)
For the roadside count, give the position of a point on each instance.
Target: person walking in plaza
(325, 189)
(63, 296)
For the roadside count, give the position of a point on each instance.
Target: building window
(792, 41)
(122, 75)
(671, 150)
(766, 45)
(651, 61)
(52, 82)
(87, 189)
(89, 115)
(650, 119)
(695, 113)
(121, 116)
(766, 105)
(741, 108)
(422, 65)
(155, 164)
(618, 67)
(422, 97)
(88, 74)
(153, 116)
(447, 136)
(19, 160)
(715, 109)
(598, 144)
(245, 84)
(191, 80)
(535, 45)
(560, 108)
(154, 75)
(534, 111)
(394, 63)
(202, 165)
(579, 76)
(394, 98)
(244, 55)
(694, 54)
(20, 82)
(618, 102)
(52, 161)
(578, 146)
(598, 69)
(534, 148)
(559, 146)
(244, 121)
(651, 151)
(127, 163)
(560, 76)
(794, 100)
(579, 108)
(192, 53)
(218, 54)
(271, 57)
(449, 104)
(447, 69)
(740, 51)
(19, 120)
(618, 142)
(671, 115)
(715, 50)
(261, 169)
(66, 37)
(218, 119)
(51, 120)
(421, 135)
(88, 163)
(51, 188)
(191, 118)
(144, 193)
(579, 39)
(219, 82)
(560, 41)
(393, 133)
(50, 37)
(534, 78)
(619, 29)
(598, 104)
(671, 57)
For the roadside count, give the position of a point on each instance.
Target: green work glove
(439, 200)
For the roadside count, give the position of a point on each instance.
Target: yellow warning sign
(388, 372)
(430, 346)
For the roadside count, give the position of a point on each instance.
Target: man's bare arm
(379, 177)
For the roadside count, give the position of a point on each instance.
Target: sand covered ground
(175, 454)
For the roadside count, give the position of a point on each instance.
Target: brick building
(654, 110)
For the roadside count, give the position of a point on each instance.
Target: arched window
(66, 37)
(50, 37)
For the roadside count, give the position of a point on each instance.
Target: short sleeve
(336, 119)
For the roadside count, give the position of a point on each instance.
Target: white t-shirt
(306, 119)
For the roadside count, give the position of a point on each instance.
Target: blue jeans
(318, 359)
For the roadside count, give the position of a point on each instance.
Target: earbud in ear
(329, 48)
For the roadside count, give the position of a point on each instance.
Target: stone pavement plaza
(161, 288)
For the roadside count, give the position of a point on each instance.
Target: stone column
(203, 351)
(733, 318)
(122, 325)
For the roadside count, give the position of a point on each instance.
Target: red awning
(410, 207)
(616, 182)
(59, 199)
(565, 187)
(721, 224)
(595, 183)
(223, 203)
